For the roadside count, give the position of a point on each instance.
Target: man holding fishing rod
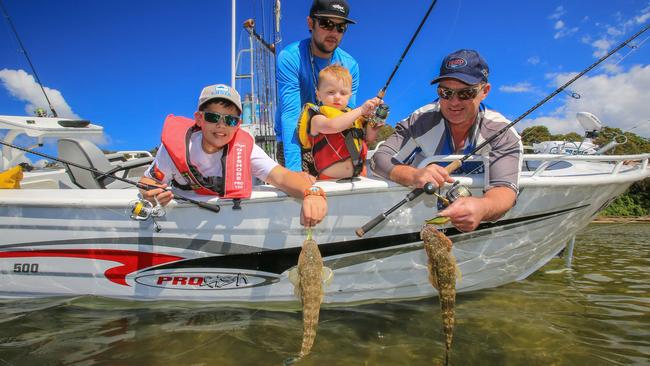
(297, 71)
(455, 124)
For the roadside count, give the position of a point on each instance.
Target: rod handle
(369, 225)
(453, 166)
(213, 208)
(207, 206)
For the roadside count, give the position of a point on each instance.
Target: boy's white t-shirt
(208, 164)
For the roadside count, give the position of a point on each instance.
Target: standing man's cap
(220, 91)
(331, 9)
(464, 65)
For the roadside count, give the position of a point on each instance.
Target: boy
(211, 155)
(337, 135)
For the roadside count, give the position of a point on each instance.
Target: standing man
(455, 124)
(297, 71)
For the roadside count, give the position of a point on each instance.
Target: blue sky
(127, 64)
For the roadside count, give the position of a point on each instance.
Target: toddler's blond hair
(337, 72)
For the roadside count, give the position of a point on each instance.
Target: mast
(233, 30)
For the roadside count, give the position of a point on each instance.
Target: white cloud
(617, 100)
(559, 12)
(602, 46)
(534, 60)
(641, 19)
(565, 32)
(523, 87)
(612, 31)
(560, 26)
(24, 87)
(612, 34)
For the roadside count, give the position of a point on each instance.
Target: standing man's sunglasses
(329, 25)
(463, 94)
(228, 119)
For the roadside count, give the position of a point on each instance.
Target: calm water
(597, 314)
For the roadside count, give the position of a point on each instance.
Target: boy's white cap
(220, 91)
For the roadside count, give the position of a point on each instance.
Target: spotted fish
(442, 275)
(309, 289)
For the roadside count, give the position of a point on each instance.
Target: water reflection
(595, 314)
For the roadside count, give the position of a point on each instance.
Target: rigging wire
(24, 51)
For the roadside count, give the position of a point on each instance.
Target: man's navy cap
(338, 9)
(464, 65)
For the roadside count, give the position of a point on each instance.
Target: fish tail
(309, 332)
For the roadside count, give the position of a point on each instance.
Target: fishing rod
(381, 113)
(38, 80)
(382, 91)
(213, 208)
(429, 188)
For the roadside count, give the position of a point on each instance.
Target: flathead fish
(310, 292)
(442, 275)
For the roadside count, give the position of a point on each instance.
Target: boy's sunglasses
(228, 119)
(463, 94)
(329, 25)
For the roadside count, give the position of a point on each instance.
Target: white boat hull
(82, 242)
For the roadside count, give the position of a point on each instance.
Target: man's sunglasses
(463, 94)
(329, 25)
(228, 119)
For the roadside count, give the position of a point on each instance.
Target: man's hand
(431, 173)
(466, 213)
(314, 209)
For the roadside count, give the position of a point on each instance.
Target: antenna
(38, 80)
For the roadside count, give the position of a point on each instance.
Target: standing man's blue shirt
(296, 86)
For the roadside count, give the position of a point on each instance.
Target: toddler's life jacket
(329, 149)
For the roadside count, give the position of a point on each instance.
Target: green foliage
(535, 134)
(571, 136)
(382, 135)
(635, 144)
(625, 205)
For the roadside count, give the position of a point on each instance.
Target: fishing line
(633, 48)
(22, 47)
(213, 208)
(429, 187)
(636, 47)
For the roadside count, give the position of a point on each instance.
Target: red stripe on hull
(131, 260)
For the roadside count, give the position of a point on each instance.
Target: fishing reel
(142, 210)
(380, 115)
(454, 192)
(457, 191)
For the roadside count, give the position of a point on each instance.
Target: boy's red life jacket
(236, 180)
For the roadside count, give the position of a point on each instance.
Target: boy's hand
(368, 108)
(314, 209)
(160, 194)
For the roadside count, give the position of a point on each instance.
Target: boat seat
(85, 153)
